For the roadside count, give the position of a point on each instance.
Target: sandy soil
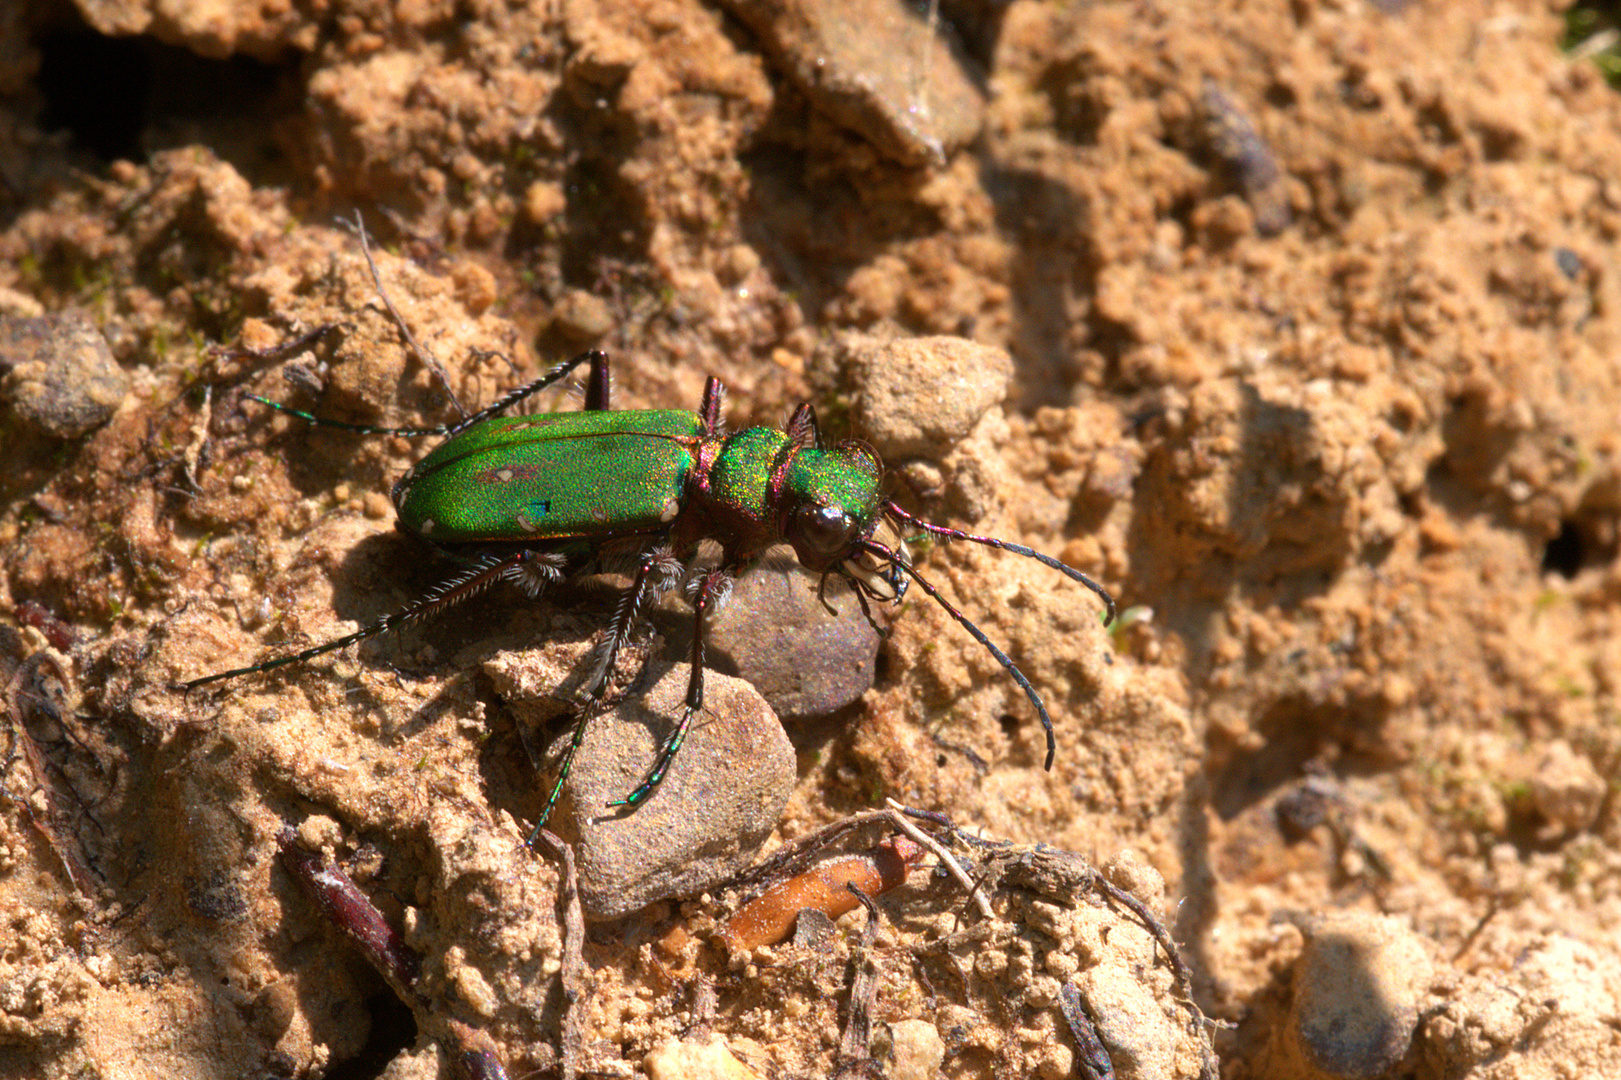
(1315, 362)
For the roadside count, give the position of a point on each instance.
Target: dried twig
(23, 687)
(422, 354)
(1092, 1058)
(573, 975)
(854, 1055)
(948, 860)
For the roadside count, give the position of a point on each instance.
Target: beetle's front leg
(712, 590)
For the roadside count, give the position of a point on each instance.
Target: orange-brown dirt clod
(769, 917)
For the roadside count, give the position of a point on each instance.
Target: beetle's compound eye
(826, 530)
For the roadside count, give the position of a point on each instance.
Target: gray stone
(875, 67)
(59, 373)
(775, 633)
(717, 804)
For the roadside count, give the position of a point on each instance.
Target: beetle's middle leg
(655, 574)
(712, 590)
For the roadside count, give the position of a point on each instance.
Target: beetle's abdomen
(552, 476)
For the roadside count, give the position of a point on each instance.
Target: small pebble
(543, 200)
(916, 1050)
(695, 1059)
(1127, 870)
(1567, 789)
(1569, 263)
(919, 397)
(59, 373)
(274, 1008)
(581, 316)
(1356, 994)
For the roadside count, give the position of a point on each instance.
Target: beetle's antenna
(598, 376)
(872, 547)
(991, 541)
(362, 429)
(446, 594)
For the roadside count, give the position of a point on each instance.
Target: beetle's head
(833, 501)
(829, 504)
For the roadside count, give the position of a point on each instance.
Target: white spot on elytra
(503, 474)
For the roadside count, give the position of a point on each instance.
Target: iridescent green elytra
(528, 499)
(543, 477)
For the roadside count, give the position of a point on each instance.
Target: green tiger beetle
(531, 498)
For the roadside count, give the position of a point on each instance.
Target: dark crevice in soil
(124, 98)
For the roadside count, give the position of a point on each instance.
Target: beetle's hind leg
(596, 391)
(598, 377)
(479, 575)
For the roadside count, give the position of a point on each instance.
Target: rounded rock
(716, 805)
(60, 375)
(1128, 870)
(582, 316)
(1356, 994)
(775, 633)
(1567, 789)
(919, 397)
